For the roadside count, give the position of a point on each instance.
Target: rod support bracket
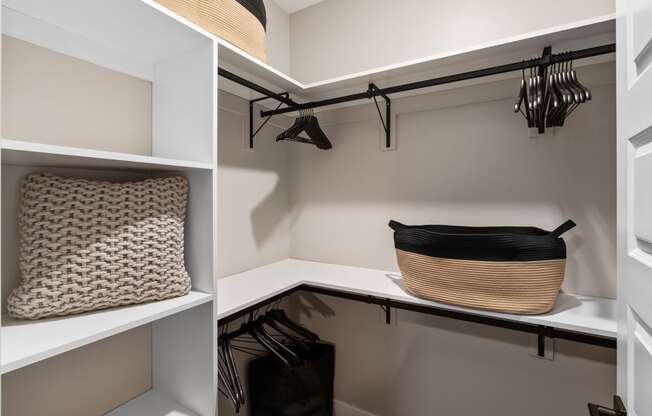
(385, 305)
(543, 333)
(388, 313)
(373, 91)
(252, 132)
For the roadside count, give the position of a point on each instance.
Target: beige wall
(338, 37)
(88, 381)
(52, 98)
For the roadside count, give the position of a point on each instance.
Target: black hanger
(224, 377)
(274, 342)
(230, 375)
(295, 129)
(267, 320)
(254, 333)
(557, 117)
(573, 74)
(234, 370)
(280, 316)
(523, 99)
(578, 92)
(306, 123)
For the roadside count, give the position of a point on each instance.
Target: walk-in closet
(326, 207)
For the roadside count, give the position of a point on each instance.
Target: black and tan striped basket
(508, 269)
(240, 22)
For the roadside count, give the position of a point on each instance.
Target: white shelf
(22, 153)
(27, 342)
(127, 36)
(151, 403)
(586, 314)
(582, 34)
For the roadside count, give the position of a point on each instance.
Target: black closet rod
(495, 70)
(245, 82)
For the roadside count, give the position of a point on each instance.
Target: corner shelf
(27, 342)
(24, 153)
(152, 403)
(582, 314)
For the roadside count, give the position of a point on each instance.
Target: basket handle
(396, 226)
(557, 232)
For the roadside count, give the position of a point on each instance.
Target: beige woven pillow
(88, 245)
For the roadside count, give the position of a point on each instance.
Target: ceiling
(291, 6)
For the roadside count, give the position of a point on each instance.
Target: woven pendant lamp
(240, 22)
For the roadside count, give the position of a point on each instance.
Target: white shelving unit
(133, 38)
(142, 39)
(585, 314)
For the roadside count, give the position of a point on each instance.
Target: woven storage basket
(240, 22)
(508, 269)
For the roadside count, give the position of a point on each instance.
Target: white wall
(277, 37)
(253, 186)
(338, 37)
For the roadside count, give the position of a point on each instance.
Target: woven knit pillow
(88, 245)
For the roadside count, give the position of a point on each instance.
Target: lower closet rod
(542, 331)
(495, 70)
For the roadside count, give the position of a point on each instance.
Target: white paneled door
(634, 67)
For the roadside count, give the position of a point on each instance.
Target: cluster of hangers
(265, 333)
(306, 130)
(550, 94)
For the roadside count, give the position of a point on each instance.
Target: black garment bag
(305, 389)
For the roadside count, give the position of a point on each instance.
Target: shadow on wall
(262, 223)
(306, 304)
(253, 203)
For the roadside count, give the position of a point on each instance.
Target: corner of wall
(278, 37)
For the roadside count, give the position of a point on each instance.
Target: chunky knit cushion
(88, 245)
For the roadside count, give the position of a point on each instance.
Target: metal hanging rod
(374, 91)
(283, 98)
(485, 72)
(541, 331)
